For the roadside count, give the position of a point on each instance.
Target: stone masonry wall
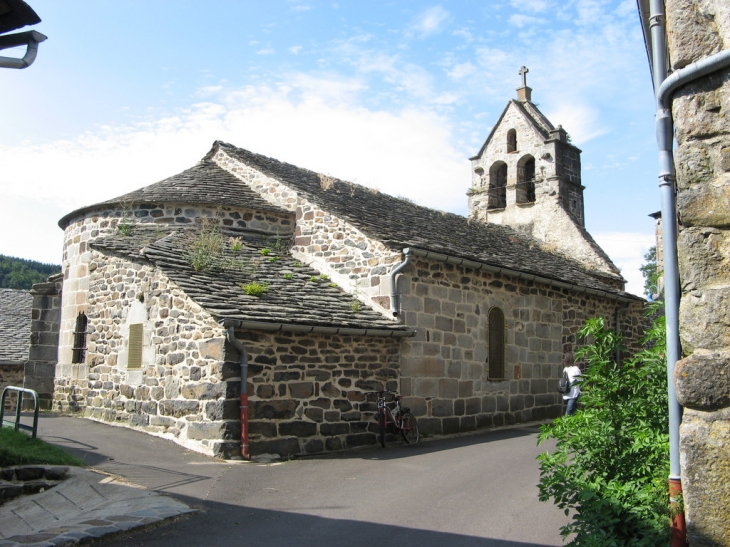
(179, 391)
(444, 367)
(45, 322)
(697, 29)
(307, 391)
(82, 231)
(358, 264)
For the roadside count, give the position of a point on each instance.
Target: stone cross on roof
(523, 72)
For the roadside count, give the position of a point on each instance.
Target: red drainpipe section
(679, 526)
(245, 453)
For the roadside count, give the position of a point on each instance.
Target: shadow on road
(397, 448)
(226, 525)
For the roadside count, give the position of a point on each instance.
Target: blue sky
(393, 95)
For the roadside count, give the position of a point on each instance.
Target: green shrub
(255, 288)
(205, 251)
(611, 462)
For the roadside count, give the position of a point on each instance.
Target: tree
(18, 273)
(650, 273)
(610, 465)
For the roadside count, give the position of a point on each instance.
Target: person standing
(573, 371)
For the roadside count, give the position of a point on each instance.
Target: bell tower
(527, 175)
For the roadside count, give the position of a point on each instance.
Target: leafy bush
(205, 251)
(611, 462)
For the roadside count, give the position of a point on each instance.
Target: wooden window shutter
(136, 338)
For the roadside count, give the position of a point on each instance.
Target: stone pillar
(701, 111)
(43, 354)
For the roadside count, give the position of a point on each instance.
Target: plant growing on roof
(205, 251)
(265, 251)
(236, 243)
(125, 226)
(254, 288)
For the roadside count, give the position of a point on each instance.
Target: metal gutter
(305, 329)
(31, 39)
(520, 275)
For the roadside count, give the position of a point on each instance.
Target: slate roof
(399, 223)
(203, 184)
(15, 306)
(296, 294)
(17, 14)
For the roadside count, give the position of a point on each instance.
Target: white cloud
(627, 250)
(209, 90)
(581, 121)
(534, 6)
(266, 51)
(408, 152)
(430, 21)
(295, 49)
(461, 70)
(520, 20)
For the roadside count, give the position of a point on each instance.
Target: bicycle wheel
(381, 425)
(409, 428)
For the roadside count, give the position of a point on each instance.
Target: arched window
(496, 340)
(526, 180)
(79, 347)
(511, 141)
(497, 186)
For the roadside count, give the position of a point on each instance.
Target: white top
(573, 373)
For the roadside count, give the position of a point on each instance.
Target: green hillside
(18, 273)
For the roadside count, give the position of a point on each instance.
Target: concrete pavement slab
(88, 504)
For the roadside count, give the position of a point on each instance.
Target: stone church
(248, 282)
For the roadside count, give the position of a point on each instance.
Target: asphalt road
(472, 491)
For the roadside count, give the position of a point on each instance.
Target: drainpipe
(31, 39)
(664, 88)
(394, 295)
(617, 323)
(244, 391)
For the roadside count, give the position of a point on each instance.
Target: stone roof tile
(399, 223)
(15, 309)
(295, 294)
(204, 184)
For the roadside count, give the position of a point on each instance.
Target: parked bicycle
(396, 416)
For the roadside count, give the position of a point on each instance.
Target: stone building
(697, 29)
(334, 290)
(14, 335)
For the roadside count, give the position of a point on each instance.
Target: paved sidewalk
(84, 506)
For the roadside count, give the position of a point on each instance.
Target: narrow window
(79, 347)
(496, 344)
(135, 346)
(526, 180)
(511, 141)
(497, 186)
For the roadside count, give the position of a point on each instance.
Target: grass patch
(18, 448)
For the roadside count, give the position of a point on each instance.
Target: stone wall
(179, 391)
(307, 392)
(444, 367)
(40, 369)
(696, 29)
